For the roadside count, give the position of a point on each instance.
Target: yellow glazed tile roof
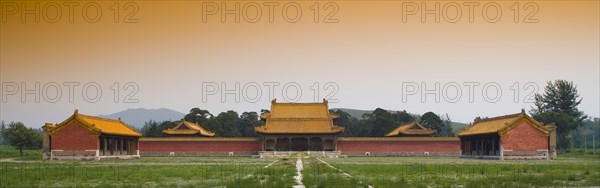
(299, 118)
(501, 124)
(411, 128)
(98, 125)
(299, 110)
(188, 128)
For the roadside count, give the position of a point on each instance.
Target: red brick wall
(74, 137)
(524, 139)
(399, 147)
(199, 147)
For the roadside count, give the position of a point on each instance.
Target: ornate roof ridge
(293, 103)
(479, 120)
(300, 119)
(501, 128)
(274, 101)
(100, 118)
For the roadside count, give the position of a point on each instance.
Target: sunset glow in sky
(364, 54)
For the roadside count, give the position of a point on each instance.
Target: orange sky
(369, 53)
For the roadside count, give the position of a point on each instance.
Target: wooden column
(275, 146)
(493, 150)
(481, 147)
(121, 146)
(116, 146)
(130, 146)
(321, 144)
(105, 145)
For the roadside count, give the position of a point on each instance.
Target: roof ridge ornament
(477, 119)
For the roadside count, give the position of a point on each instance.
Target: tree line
(374, 124)
(225, 124)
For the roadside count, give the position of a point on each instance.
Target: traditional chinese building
(185, 128)
(299, 127)
(411, 129)
(89, 137)
(508, 137)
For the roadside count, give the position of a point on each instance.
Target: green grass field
(570, 170)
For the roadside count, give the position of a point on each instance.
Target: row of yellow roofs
(301, 118)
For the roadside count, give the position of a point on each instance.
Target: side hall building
(88, 137)
(513, 136)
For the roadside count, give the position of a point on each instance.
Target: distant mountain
(138, 116)
(456, 126)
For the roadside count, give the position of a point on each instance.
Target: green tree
(150, 129)
(2, 140)
(588, 135)
(447, 131)
(344, 120)
(166, 125)
(22, 137)
(198, 115)
(558, 105)
(403, 117)
(343, 117)
(433, 121)
(229, 122)
(381, 122)
(249, 120)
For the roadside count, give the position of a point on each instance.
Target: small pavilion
(411, 129)
(186, 128)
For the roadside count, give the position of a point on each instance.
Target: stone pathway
(271, 164)
(298, 176)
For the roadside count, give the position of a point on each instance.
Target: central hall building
(299, 127)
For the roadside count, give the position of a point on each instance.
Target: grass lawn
(10, 152)
(570, 170)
